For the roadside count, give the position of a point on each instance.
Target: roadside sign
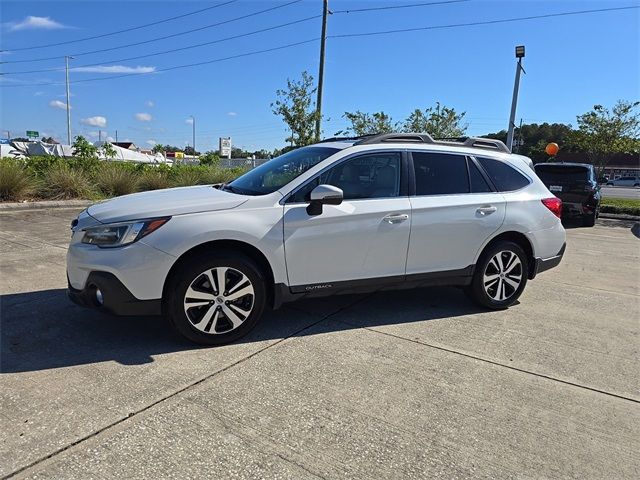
(179, 155)
(32, 134)
(225, 147)
(4, 141)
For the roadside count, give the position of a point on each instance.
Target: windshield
(562, 173)
(276, 173)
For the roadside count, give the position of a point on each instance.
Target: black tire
(589, 220)
(477, 292)
(192, 270)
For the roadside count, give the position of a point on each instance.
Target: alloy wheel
(502, 275)
(219, 300)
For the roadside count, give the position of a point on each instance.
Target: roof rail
(397, 137)
(342, 139)
(476, 142)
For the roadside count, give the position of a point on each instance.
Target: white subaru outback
(341, 216)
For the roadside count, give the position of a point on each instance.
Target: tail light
(554, 204)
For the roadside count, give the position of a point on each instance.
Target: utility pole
(66, 71)
(8, 135)
(99, 135)
(323, 41)
(514, 101)
(116, 136)
(193, 125)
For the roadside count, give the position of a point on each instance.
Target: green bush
(64, 182)
(154, 179)
(16, 181)
(187, 175)
(116, 179)
(625, 206)
(212, 175)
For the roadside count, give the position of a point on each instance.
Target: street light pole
(66, 70)
(193, 125)
(514, 100)
(323, 41)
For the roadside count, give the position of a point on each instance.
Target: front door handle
(396, 218)
(486, 210)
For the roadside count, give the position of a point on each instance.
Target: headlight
(119, 234)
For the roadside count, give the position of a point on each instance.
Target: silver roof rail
(471, 142)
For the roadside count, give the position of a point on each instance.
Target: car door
(454, 210)
(361, 240)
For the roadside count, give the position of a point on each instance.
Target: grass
(626, 206)
(56, 178)
(16, 181)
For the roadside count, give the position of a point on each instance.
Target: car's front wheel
(500, 276)
(216, 298)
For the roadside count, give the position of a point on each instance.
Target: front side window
(440, 173)
(374, 175)
(503, 176)
(276, 173)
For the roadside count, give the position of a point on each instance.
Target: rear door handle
(396, 218)
(486, 210)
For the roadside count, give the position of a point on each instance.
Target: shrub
(63, 182)
(213, 175)
(625, 206)
(39, 165)
(209, 158)
(16, 181)
(153, 179)
(114, 179)
(187, 175)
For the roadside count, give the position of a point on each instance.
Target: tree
(295, 106)
(157, 148)
(190, 151)
(209, 158)
(603, 132)
(535, 137)
(108, 151)
(367, 124)
(48, 140)
(439, 122)
(83, 148)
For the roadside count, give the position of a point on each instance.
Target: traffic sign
(32, 134)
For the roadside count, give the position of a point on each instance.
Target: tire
(491, 297)
(224, 312)
(589, 220)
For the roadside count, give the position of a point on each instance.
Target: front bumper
(116, 298)
(542, 265)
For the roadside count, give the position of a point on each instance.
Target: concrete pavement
(411, 384)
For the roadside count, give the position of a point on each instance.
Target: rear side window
(554, 174)
(503, 176)
(478, 183)
(440, 173)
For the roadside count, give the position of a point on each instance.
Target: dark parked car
(576, 185)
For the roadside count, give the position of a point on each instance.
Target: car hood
(167, 202)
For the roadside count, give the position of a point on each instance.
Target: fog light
(99, 297)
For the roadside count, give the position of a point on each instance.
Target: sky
(572, 62)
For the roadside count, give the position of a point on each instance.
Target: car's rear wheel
(500, 276)
(215, 299)
(589, 220)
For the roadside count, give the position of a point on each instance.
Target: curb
(619, 216)
(12, 206)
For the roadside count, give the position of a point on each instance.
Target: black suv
(576, 185)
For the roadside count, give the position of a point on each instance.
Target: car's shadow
(43, 330)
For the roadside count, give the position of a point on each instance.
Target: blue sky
(572, 63)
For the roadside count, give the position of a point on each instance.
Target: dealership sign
(225, 147)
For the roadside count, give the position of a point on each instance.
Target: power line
(176, 67)
(158, 22)
(144, 42)
(188, 47)
(486, 22)
(392, 7)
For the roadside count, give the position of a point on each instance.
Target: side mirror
(324, 195)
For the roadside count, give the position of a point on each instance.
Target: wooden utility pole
(323, 41)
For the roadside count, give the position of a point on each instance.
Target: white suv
(341, 216)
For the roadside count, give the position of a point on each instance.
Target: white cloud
(35, 23)
(151, 142)
(189, 121)
(111, 139)
(37, 94)
(232, 114)
(114, 69)
(58, 104)
(96, 121)
(92, 134)
(143, 117)
(150, 103)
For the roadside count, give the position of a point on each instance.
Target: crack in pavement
(176, 393)
(493, 362)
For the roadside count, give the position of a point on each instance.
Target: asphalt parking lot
(411, 384)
